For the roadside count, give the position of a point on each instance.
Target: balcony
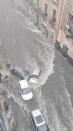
(68, 31)
(52, 21)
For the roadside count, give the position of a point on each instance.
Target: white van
(26, 92)
(39, 121)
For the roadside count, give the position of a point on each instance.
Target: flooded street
(21, 45)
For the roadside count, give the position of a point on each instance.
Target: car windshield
(26, 90)
(39, 119)
(19, 70)
(43, 127)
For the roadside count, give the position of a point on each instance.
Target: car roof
(23, 84)
(39, 119)
(18, 69)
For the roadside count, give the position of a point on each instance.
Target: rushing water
(57, 106)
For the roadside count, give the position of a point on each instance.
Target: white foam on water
(6, 122)
(33, 29)
(8, 117)
(18, 12)
(18, 101)
(47, 70)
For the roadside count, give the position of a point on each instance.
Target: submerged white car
(26, 92)
(39, 121)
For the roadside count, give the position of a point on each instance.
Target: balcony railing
(68, 31)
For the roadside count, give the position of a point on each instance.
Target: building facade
(64, 28)
(42, 6)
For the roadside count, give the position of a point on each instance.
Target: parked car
(39, 121)
(19, 72)
(1, 126)
(26, 92)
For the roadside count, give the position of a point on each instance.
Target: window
(26, 91)
(71, 25)
(54, 13)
